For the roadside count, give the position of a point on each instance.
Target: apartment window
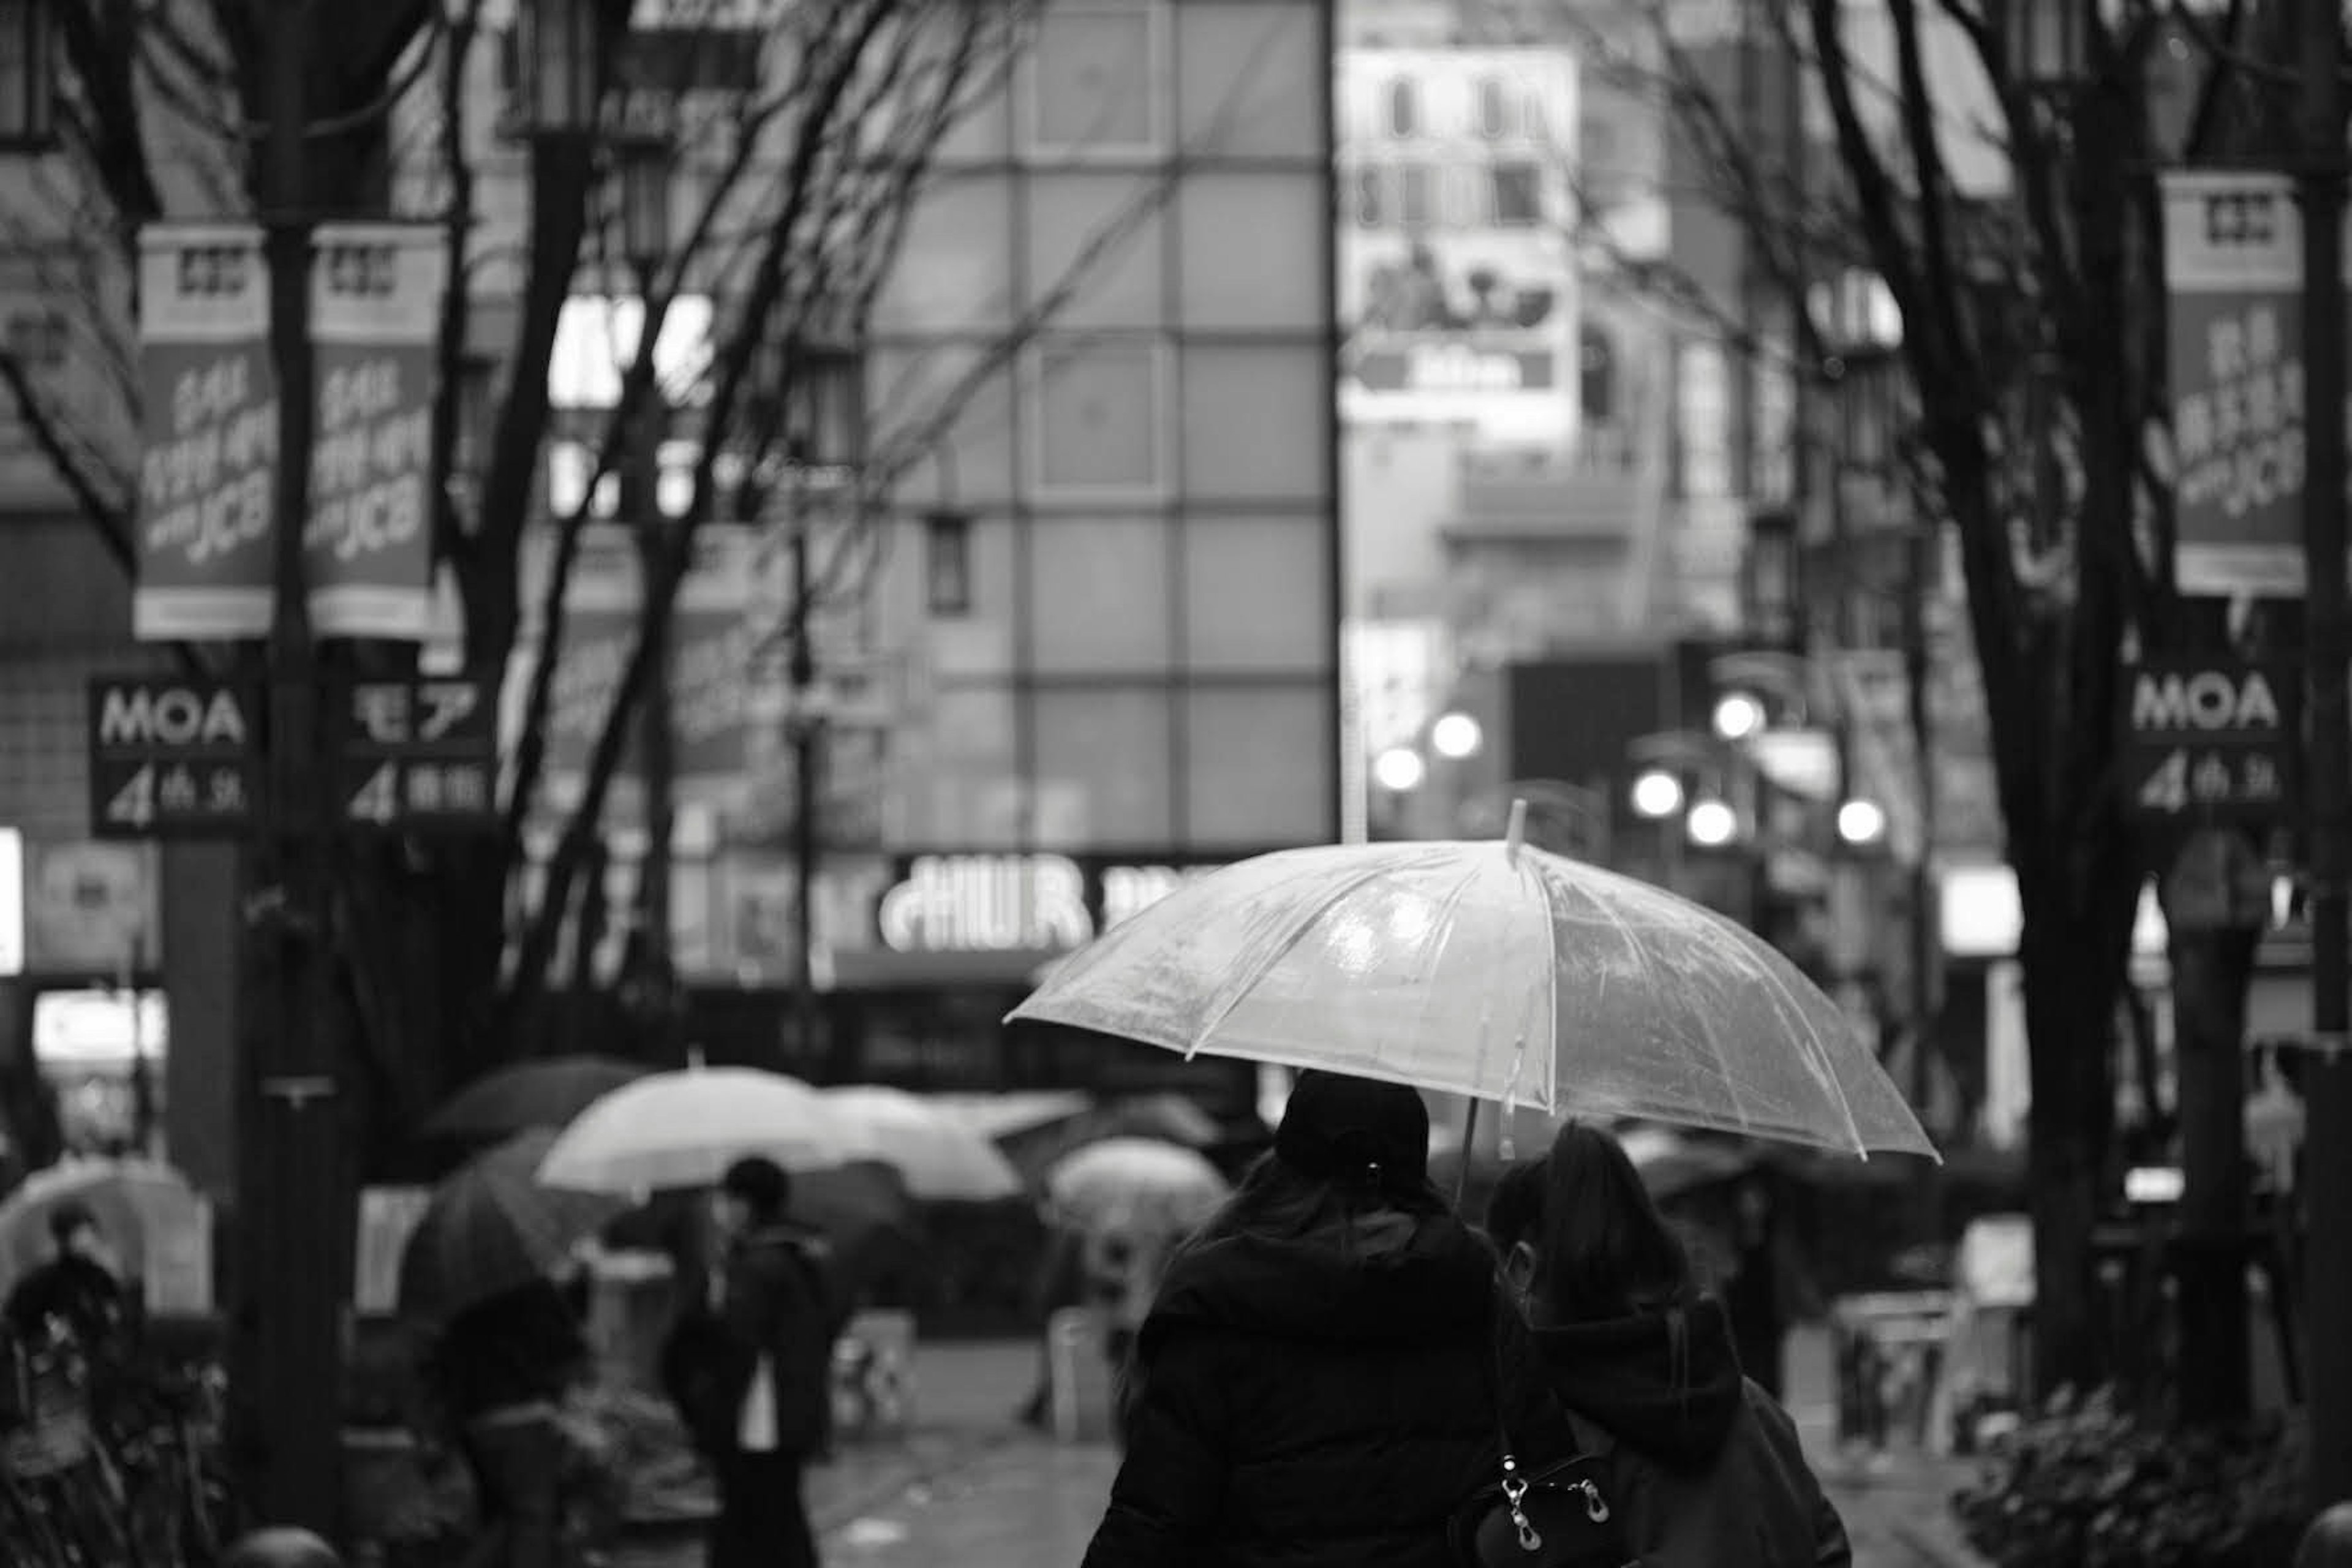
(1514, 195)
(1400, 108)
(1416, 196)
(1369, 196)
(947, 563)
(1491, 108)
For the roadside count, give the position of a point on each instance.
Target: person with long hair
(1312, 1386)
(1706, 1466)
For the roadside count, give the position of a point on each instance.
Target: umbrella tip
(1515, 834)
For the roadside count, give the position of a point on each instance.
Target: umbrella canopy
(1494, 970)
(684, 1129)
(1135, 1181)
(546, 1093)
(491, 1227)
(940, 1156)
(139, 1204)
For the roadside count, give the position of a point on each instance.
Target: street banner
(209, 434)
(2233, 259)
(713, 645)
(1459, 295)
(375, 306)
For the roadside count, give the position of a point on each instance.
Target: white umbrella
(938, 1156)
(684, 1129)
(1134, 1181)
(1495, 970)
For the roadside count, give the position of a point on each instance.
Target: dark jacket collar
(1665, 1384)
(1387, 1278)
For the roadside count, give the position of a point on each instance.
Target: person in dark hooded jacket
(1312, 1386)
(1622, 1356)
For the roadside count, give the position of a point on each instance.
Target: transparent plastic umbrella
(684, 1129)
(1134, 1183)
(1493, 970)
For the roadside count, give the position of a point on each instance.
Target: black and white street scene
(1175, 783)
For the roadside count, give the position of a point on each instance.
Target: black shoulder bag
(1556, 1515)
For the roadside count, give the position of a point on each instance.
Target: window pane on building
(1099, 595)
(1256, 422)
(954, 271)
(1256, 595)
(1069, 214)
(1094, 83)
(909, 388)
(1253, 251)
(953, 772)
(1102, 766)
(1256, 109)
(1096, 419)
(1258, 766)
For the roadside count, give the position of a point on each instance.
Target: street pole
(286, 1313)
(2327, 792)
(807, 772)
(655, 736)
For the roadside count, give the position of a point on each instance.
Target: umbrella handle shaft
(1462, 1175)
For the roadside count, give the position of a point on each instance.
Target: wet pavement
(974, 1488)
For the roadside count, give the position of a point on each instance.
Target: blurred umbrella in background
(684, 1129)
(940, 1157)
(1134, 1183)
(547, 1093)
(493, 1227)
(139, 1204)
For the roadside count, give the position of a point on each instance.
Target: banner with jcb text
(209, 434)
(375, 308)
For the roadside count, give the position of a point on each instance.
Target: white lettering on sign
(170, 716)
(987, 903)
(2205, 699)
(1458, 368)
(998, 903)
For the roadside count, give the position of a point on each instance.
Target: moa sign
(2212, 738)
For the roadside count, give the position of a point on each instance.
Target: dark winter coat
(1706, 1467)
(519, 1347)
(776, 1301)
(1324, 1402)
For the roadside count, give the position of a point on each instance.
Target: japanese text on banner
(376, 291)
(2239, 436)
(209, 434)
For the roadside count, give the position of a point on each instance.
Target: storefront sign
(210, 436)
(2233, 253)
(375, 305)
(173, 758)
(2213, 737)
(1456, 282)
(1004, 903)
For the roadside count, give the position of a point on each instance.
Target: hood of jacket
(1387, 1278)
(1666, 1384)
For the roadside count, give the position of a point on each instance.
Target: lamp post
(2328, 649)
(824, 439)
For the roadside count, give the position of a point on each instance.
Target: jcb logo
(369, 271)
(214, 271)
(2241, 218)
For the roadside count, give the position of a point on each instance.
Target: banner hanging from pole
(2233, 259)
(375, 306)
(209, 434)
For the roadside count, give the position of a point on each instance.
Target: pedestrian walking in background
(749, 1367)
(1060, 1283)
(1311, 1387)
(500, 1372)
(1767, 1291)
(77, 1296)
(1622, 1356)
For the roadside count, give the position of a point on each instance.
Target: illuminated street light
(1398, 769)
(1657, 795)
(1861, 822)
(1738, 715)
(1712, 825)
(1455, 736)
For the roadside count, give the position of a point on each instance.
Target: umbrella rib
(1820, 1052)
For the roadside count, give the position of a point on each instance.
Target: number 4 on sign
(378, 800)
(133, 805)
(2166, 789)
